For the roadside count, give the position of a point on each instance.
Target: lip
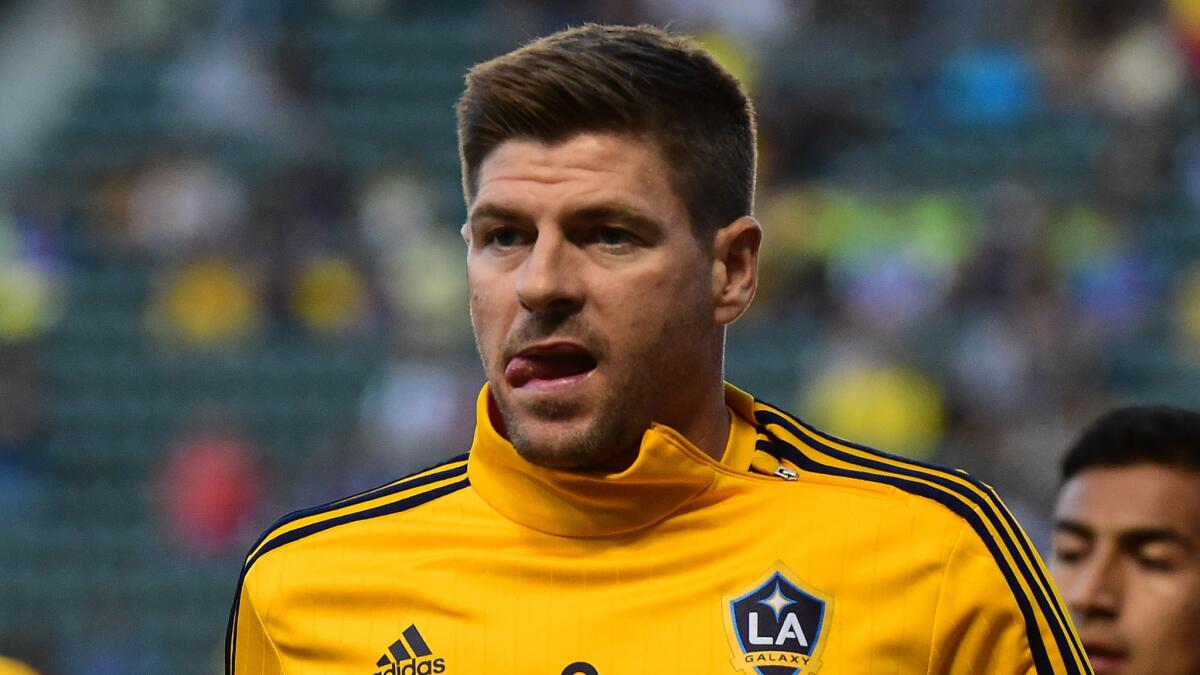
(1105, 656)
(526, 369)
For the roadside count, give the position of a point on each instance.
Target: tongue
(522, 369)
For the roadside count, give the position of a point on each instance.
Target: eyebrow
(1153, 535)
(1074, 527)
(613, 211)
(605, 211)
(496, 212)
(1131, 538)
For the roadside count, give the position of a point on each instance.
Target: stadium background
(231, 282)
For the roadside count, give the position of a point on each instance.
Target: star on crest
(777, 601)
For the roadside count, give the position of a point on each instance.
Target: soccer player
(1127, 540)
(622, 510)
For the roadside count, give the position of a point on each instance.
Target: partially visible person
(1127, 541)
(13, 667)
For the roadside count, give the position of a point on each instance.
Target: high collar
(667, 473)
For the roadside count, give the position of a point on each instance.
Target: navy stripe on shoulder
(416, 479)
(1064, 638)
(382, 510)
(320, 526)
(1037, 648)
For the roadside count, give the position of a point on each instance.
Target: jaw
(571, 433)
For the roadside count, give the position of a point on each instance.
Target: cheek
(487, 316)
(1063, 575)
(1165, 608)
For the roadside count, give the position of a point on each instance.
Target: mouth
(549, 365)
(1104, 656)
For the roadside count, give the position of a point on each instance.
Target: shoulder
(825, 457)
(398, 496)
(988, 533)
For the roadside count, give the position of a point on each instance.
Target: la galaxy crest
(778, 625)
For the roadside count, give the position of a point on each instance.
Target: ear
(735, 268)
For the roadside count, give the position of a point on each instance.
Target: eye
(1155, 564)
(504, 237)
(1157, 557)
(610, 236)
(1069, 556)
(1069, 549)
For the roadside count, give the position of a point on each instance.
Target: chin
(570, 447)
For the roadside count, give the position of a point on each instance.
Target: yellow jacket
(795, 554)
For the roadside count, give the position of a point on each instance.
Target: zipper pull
(786, 473)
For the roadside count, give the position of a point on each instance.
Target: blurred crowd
(231, 279)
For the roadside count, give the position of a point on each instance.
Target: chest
(701, 596)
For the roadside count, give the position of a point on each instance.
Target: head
(1127, 540)
(609, 179)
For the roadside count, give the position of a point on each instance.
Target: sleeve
(991, 619)
(249, 649)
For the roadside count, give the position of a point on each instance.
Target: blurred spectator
(209, 488)
(331, 297)
(1185, 17)
(1143, 72)
(748, 23)
(417, 409)
(890, 264)
(1187, 311)
(227, 84)
(884, 404)
(29, 282)
(989, 87)
(182, 203)
(1108, 282)
(22, 433)
(208, 302)
(419, 261)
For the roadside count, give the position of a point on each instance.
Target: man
(622, 510)
(1127, 541)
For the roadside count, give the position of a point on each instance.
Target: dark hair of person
(637, 80)
(1134, 435)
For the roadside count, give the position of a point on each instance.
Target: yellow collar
(668, 473)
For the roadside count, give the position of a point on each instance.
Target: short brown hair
(626, 79)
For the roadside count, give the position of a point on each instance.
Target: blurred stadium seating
(240, 235)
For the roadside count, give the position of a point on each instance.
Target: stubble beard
(646, 379)
(576, 435)
(581, 444)
(619, 418)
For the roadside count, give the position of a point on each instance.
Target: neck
(705, 423)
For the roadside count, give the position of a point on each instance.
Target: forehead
(594, 164)
(1111, 499)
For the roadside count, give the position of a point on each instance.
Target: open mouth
(549, 363)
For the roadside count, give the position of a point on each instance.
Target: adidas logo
(410, 655)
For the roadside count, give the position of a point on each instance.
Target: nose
(1096, 588)
(549, 280)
